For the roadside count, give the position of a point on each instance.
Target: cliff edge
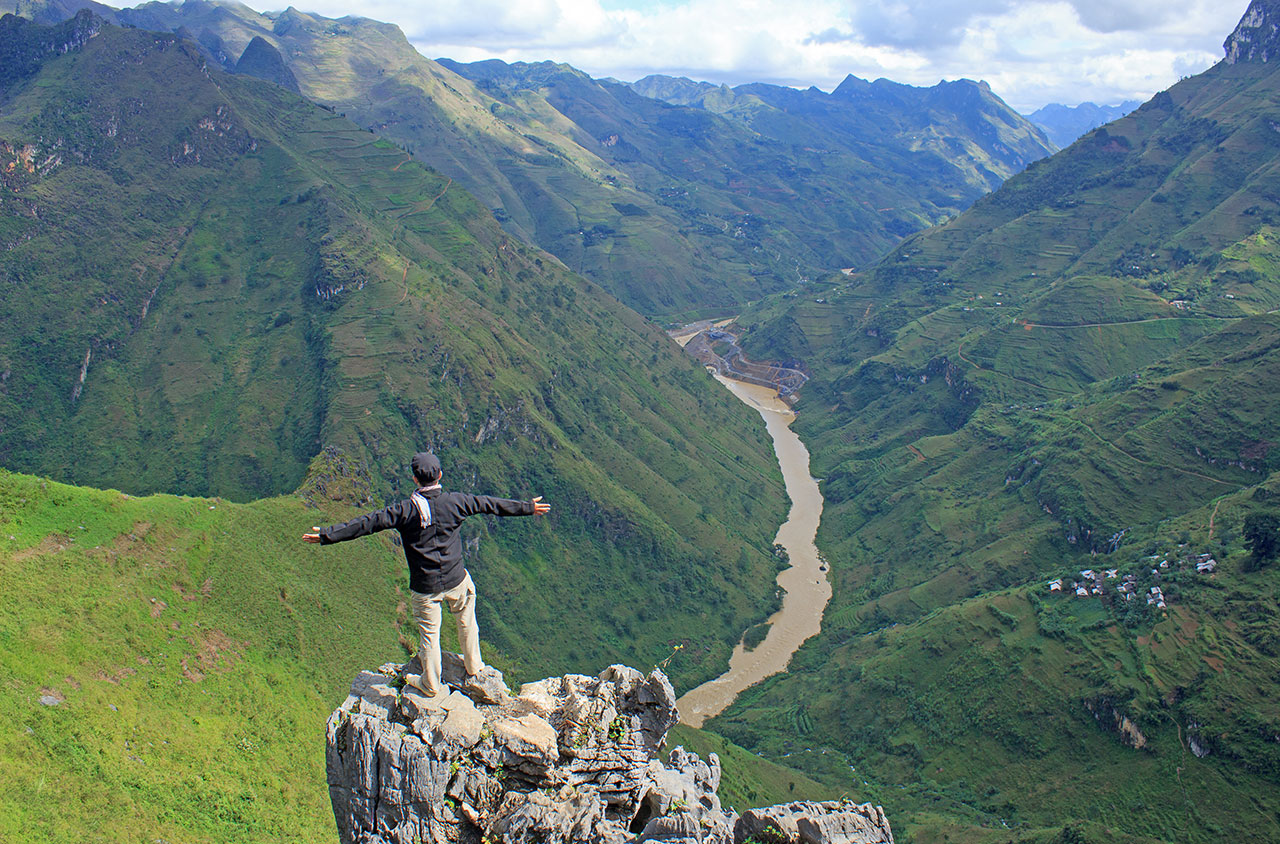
(568, 760)
(1257, 37)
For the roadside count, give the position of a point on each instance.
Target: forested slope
(208, 280)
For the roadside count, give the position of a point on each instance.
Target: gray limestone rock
(568, 817)
(413, 704)
(569, 760)
(373, 691)
(681, 802)
(462, 729)
(1256, 37)
(528, 738)
(487, 686)
(831, 822)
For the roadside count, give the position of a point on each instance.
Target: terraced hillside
(675, 210)
(208, 280)
(1076, 374)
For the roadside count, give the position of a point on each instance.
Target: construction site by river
(715, 346)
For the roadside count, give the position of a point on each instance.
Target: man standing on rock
(429, 523)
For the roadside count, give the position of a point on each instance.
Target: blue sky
(1031, 52)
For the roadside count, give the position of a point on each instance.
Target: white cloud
(913, 24)
(1030, 51)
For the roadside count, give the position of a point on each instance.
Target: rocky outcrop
(567, 760)
(1257, 37)
(27, 46)
(815, 823)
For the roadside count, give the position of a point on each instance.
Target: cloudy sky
(1032, 52)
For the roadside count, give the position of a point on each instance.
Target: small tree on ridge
(1262, 538)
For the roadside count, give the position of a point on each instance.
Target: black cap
(426, 467)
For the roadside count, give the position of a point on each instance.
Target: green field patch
(194, 652)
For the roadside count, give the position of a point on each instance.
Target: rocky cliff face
(569, 760)
(1257, 37)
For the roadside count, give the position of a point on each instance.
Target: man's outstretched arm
(384, 519)
(489, 505)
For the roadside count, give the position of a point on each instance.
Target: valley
(804, 583)
(250, 262)
(1010, 399)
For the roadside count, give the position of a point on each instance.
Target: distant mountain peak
(1257, 37)
(1063, 124)
(263, 60)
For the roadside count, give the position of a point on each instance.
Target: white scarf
(424, 506)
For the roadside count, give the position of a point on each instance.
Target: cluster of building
(1091, 584)
(1094, 583)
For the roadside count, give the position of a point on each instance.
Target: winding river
(805, 583)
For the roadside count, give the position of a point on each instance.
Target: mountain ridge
(670, 215)
(1064, 124)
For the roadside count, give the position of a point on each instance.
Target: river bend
(806, 590)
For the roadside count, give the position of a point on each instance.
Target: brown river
(804, 583)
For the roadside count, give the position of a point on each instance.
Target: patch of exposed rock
(1257, 37)
(567, 760)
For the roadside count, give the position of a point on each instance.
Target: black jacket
(434, 553)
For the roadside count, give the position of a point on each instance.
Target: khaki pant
(426, 611)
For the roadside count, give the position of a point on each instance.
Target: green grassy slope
(193, 648)
(673, 209)
(1078, 372)
(251, 278)
(196, 648)
(1016, 490)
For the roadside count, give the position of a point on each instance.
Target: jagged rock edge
(567, 760)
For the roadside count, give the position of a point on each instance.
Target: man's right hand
(313, 538)
(540, 508)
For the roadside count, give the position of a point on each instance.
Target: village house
(1092, 581)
